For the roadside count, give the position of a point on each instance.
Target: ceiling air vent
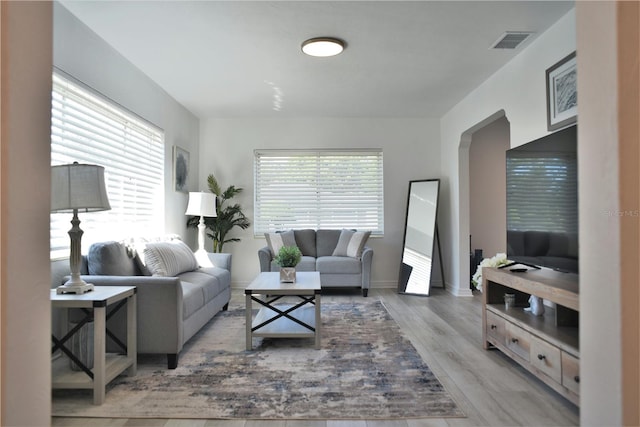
(510, 40)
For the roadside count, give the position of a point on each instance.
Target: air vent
(510, 40)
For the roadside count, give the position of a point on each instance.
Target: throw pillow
(169, 258)
(351, 243)
(110, 259)
(278, 240)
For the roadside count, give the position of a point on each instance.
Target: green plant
(228, 216)
(288, 256)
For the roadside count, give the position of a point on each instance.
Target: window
(542, 192)
(88, 128)
(318, 189)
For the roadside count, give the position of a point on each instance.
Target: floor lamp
(201, 204)
(77, 188)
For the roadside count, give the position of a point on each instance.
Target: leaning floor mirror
(420, 238)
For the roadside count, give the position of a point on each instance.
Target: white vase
(536, 305)
(287, 274)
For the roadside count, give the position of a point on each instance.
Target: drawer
(496, 327)
(518, 340)
(546, 358)
(571, 372)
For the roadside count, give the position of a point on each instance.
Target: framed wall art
(562, 93)
(180, 169)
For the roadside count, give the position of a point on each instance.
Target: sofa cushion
(536, 243)
(351, 243)
(306, 241)
(111, 259)
(169, 258)
(338, 265)
(326, 241)
(192, 298)
(210, 283)
(277, 240)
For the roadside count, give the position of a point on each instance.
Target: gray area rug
(366, 369)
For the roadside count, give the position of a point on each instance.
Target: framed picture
(180, 169)
(562, 93)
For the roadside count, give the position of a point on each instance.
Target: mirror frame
(405, 269)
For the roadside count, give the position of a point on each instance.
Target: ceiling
(243, 58)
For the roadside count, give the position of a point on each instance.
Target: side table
(105, 367)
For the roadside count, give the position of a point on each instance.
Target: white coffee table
(284, 320)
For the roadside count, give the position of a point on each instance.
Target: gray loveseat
(171, 307)
(341, 260)
(544, 249)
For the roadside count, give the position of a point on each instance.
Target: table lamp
(77, 187)
(201, 204)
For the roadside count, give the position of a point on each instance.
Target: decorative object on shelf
(82, 345)
(509, 301)
(227, 217)
(562, 93)
(288, 257)
(536, 306)
(201, 205)
(495, 261)
(180, 168)
(77, 187)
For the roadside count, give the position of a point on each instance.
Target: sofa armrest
(264, 256)
(219, 260)
(159, 311)
(367, 259)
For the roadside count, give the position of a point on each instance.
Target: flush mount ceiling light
(323, 46)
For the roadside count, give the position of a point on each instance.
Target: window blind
(319, 189)
(542, 192)
(88, 128)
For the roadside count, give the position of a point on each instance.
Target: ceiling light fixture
(323, 46)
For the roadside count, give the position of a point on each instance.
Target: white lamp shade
(201, 204)
(78, 186)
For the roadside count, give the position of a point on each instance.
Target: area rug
(366, 369)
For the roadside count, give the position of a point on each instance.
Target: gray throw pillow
(169, 258)
(351, 243)
(279, 239)
(111, 259)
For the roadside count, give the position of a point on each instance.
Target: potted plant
(287, 258)
(228, 216)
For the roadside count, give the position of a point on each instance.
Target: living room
(446, 135)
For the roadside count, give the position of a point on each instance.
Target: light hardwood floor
(491, 389)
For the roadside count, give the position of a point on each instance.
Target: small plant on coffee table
(287, 258)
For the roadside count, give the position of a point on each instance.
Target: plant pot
(287, 274)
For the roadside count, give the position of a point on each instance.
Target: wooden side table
(105, 366)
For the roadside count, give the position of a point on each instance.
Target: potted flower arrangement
(496, 261)
(287, 258)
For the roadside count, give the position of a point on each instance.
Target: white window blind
(542, 192)
(88, 128)
(319, 189)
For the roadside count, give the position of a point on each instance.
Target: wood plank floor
(491, 389)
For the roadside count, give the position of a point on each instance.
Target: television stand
(547, 345)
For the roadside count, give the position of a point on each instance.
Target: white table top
(270, 282)
(99, 296)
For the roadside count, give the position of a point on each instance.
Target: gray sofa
(171, 309)
(544, 249)
(319, 250)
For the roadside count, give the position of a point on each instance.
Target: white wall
(78, 51)
(411, 151)
(25, 364)
(516, 91)
(599, 204)
(488, 188)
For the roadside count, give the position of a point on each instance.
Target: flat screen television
(542, 202)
